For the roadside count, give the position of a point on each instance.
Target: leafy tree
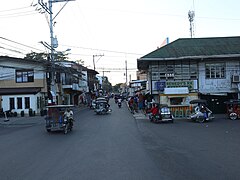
(46, 56)
(80, 61)
(36, 56)
(106, 85)
(117, 87)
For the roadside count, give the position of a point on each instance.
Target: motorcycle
(201, 112)
(119, 103)
(67, 124)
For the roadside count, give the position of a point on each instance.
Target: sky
(117, 33)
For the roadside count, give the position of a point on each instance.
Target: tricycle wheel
(233, 116)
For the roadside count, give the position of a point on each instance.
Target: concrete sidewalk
(26, 120)
(140, 115)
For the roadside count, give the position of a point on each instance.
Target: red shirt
(154, 110)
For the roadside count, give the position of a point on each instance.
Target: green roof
(196, 48)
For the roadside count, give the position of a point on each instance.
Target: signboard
(160, 85)
(174, 84)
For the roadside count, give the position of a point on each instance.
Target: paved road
(195, 150)
(99, 147)
(119, 146)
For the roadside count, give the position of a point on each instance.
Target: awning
(178, 90)
(13, 91)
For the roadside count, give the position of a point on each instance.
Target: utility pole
(53, 40)
(126, 71)
(94, 65)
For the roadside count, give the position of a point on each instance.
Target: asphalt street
(120, 146)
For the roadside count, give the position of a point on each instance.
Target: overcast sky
(120, 30)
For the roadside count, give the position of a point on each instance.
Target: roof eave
(191, 57)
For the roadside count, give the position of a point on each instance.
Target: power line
(95, 49)
(19, 43)
(14, 9)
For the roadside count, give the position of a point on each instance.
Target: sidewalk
(26, 120)
(141, 116)
(30, 120)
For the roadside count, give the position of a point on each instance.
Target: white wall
(217, 85)
(33, 103)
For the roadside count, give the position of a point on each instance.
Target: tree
(80, 61)
(106, 85)
(117, 87)
(36, 56)
(46, 56)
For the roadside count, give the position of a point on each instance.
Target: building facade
(187, 69)
(25, 84)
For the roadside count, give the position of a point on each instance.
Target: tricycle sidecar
(233, 109)
(56, 119)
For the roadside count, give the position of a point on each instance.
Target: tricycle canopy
(233, 102)
(198, 101)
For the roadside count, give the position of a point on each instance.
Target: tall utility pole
(52, 39)
(126, 71)
(94, 64)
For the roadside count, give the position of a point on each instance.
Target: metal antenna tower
(191, 15)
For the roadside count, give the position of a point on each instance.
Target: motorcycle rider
(119, 102)
(69, 115)
(205, 111)
(154, 110)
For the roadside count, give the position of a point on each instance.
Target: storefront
(178, 99)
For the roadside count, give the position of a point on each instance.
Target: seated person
(68, 113)
(154, 110)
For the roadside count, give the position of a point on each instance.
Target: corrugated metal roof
(197, 47)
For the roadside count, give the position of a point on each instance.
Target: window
(23, 76)
(11, 103)
(178, 70)
(176, 101)
(19, 103)
(215, 71)
(27, 102)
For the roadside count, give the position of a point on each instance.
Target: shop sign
(174, 84)
(160, 85)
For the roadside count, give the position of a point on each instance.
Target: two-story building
(26, 83)
(23, 84)
(191, 68)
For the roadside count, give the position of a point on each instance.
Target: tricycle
(160, 113)
(201, 112)
(102, 106)
(59, 118)
(233, 109)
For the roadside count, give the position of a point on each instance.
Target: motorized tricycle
(163, 113)
(59, 118)
(102, 106)
(233, 109)
(201, 112)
